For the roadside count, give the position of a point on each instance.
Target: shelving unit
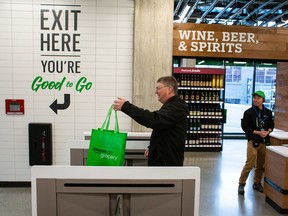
(203, 91)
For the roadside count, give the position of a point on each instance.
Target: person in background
(257, 123)
(169, 124)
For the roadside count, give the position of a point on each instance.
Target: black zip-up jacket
(252, 121)
(169, 126)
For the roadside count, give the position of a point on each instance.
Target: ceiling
(266, 13)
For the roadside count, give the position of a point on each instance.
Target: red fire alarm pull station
(14, 106)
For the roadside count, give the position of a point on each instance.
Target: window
(233, 74)
(265, 75)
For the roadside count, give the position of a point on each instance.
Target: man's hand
(146, 153)
(263, 134)
(118, 103)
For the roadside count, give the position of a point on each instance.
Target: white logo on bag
(110, 157)
(105, 154)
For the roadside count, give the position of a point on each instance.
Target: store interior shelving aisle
(218, 194)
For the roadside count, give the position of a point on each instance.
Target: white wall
(106, 49)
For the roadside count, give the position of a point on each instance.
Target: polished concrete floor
(219, 183)
(218, 194)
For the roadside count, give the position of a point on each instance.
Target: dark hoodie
(252, 121)
(169, 124)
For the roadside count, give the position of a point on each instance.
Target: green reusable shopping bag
(107, 147)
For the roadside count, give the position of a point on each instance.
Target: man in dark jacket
(169, 124)
(257, 123)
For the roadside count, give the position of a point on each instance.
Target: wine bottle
(206, 80)
(210, 81)
(192, 96)
(202, 98)
(214, 81)
(201, 80)
(198, 111)
(217, 81)
(197, 96)
(206, 96)
(191, 80)
(194, 111)
(195, 80)
(178, 81)
(181, 95)
(190, 110)
(198, 80)
(182, 80)
(221, 81)
(186, 96)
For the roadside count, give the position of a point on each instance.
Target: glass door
(265, 80)
(238, 90)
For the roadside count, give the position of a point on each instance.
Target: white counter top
(98, 172)
(281, 150)
(279, 134)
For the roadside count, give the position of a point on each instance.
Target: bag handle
(106, 122)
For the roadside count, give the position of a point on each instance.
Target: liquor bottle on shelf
(213, 96)
(197, 139)
(209, 111)
(201, 81)
(206, 125)
(206, 80)
(190, 124)
(205, 138)
(210, 81)
(217, 98)
(216, 125)
(197, 96)
(205, 96)
(202, 98)
(195, 126)
(191, 110)
(191, 80)
(201, 111)
(219, 125)
(198, 125)
(186, 96)
(219, 112)
(202, 127)
(200, 139)
(198, 80)
(198, 112)
(181, 95)
(221, 81)
(217, 81)
(192, 140)
(178, 81)
(210, 96)
(194, 113)
(210, 125)
(182, 80)
(205, 111)
(192, 96)
(213, 81)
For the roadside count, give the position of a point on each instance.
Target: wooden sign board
(222, 41)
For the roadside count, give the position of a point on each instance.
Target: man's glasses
(159, 88)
